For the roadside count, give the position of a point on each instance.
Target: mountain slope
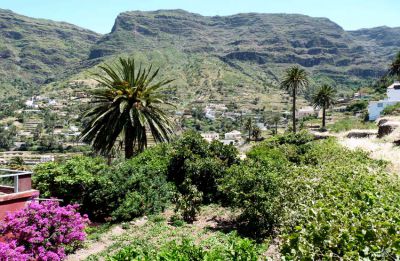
(270, 41)
(33, 51)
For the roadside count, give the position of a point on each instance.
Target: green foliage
(130, 103)
(392, 109)
(350, 123)
(357, 106)
(195, 168)
(330, 203)
(188, 202)
(123, 191)
(232, 248)
(73, 181)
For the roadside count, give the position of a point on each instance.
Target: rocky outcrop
(386, 127)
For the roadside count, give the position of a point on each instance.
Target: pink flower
(42, 230)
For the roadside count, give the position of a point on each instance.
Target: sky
(99, 15)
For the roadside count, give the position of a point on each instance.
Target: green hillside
(35, 51)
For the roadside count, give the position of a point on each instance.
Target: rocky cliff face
(268, 40)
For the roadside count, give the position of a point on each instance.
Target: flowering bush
(42, 231)
(10, 251)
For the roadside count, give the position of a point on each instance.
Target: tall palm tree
(294, 80)
(394, 69)
(129, 104)
(324, 98)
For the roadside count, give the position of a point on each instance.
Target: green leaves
(129, 106)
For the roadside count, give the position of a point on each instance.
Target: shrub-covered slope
(33, 51)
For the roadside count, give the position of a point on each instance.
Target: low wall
(16, 201)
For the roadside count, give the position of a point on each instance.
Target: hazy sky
(99, 15)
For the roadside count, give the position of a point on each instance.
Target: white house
(233, 135)
(210, 136)
(375, 108)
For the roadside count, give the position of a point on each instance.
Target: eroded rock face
(386, 127)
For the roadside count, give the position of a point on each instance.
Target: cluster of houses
(230, 138)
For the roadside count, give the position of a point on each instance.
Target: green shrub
(230, 247)
(252, 187)
(74, 181)
(332, 203)
(357, 106)
(196, 167)
(126, 190)
(391, 109)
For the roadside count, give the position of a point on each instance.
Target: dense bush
(122, 191)
(195, 168)
(74, 181)
(199, 163)
(234, 248)
(42, 231)
(392, 109)
(330, 203)
(138, 186)
(357, 106)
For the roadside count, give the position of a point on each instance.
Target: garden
(302, 198)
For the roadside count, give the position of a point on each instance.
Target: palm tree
(294, 80)
(248, 126)
(394, 69)
(256, 133)
(275, 119)
(324, 98)
(129, 104)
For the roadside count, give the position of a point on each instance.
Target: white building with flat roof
(210, 136)
(375, 108)
(233, 135)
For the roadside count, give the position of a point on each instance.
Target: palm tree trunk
(129, 141)
(294, 110)
(323, 117)
(276, 128)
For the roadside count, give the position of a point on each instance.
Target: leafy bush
(139, 186)
(188, 202)
(195, 168)
(252, 188)
(74, 181)
(332, 203)
(234, 248)
(126, 190)
(43, 231)
(357, 106)
(347, 207)
(200, 163)
(391, 109)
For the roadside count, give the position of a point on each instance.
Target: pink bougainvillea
(42, 231)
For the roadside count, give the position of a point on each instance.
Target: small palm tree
(248, 126)
(256, 133)
(324, 98)
(129, 104)
(275, 119)
(394, 69)
(294, 80)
